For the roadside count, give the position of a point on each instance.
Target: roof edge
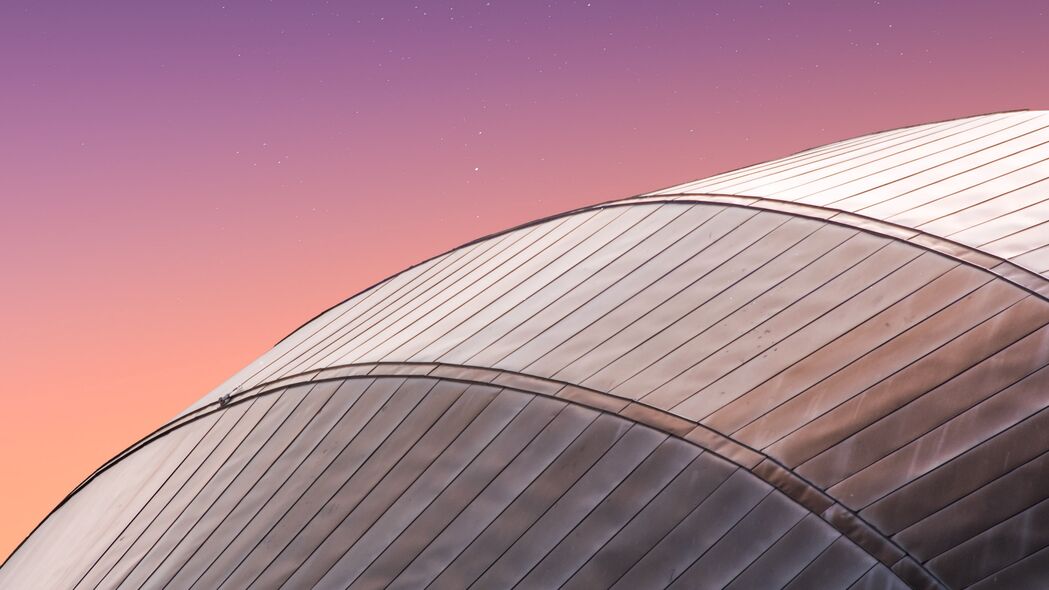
(656, 192)
(796, 487)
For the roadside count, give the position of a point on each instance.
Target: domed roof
(828, 370)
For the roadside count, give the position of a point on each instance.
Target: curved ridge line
(659, 191)
(1018, 275)
(766, 468)
(1024, 278)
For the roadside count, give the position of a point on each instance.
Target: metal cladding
(825, 371)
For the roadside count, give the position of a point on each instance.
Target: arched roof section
(860, 361)
(980, 181)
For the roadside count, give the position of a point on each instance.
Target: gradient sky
(184, 183)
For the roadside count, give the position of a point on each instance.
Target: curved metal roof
(875, 385)
(980, 181)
